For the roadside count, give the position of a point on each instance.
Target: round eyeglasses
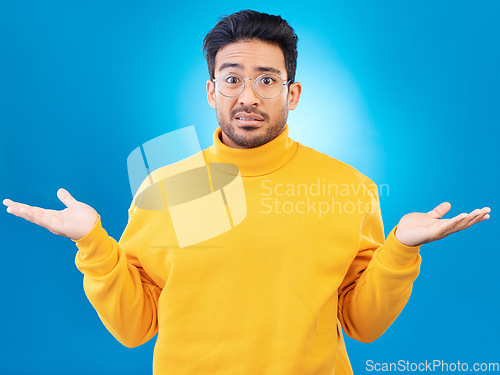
(267, 86)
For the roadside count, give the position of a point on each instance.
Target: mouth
(248, 119)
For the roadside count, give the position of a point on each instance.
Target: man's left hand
(418, 228)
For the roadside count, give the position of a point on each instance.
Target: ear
(211, 93)
(294, 95)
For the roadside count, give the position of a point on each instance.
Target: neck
(255, 161)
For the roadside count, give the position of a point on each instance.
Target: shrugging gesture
(418, 228)
(74, 222)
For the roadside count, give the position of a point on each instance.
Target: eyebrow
(259, 68)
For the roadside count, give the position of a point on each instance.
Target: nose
(248, 96)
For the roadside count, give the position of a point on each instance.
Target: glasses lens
(230, 84)
(269, 86)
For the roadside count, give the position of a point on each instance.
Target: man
(270, 295)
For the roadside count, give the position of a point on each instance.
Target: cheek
(224, 105)
(284, 105)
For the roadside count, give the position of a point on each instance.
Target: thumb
(65, 197)
(440, 210)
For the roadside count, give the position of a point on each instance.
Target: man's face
(249, 120)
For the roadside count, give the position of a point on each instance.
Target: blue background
(405, 91)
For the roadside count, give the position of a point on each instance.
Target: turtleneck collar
(255, 161)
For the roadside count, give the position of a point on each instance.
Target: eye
(232, 80)
(268, 80)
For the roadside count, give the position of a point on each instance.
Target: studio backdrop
(407, 92)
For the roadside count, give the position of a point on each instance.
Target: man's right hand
(73, 222)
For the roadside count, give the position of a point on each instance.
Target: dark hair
(247, 25)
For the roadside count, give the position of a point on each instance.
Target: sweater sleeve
(122, 293)
(379, 281)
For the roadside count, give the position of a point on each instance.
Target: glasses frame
(254, 84)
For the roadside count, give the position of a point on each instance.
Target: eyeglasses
(267, 86)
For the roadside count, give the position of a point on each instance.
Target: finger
(23, 212)
(65, 197)
(486, 209)
(440, 210)
(16, 206)
(37, 217)
(478, 216)
(7, 202)
(459, 218)
(452, 224)
(466, 220)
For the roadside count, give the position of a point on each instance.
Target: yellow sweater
(269, 295)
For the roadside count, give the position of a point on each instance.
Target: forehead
(251, 55)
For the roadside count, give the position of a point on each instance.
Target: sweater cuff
(397, 255)
(92, 247)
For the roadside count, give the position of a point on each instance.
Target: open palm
(418, 228)
(74, 222)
